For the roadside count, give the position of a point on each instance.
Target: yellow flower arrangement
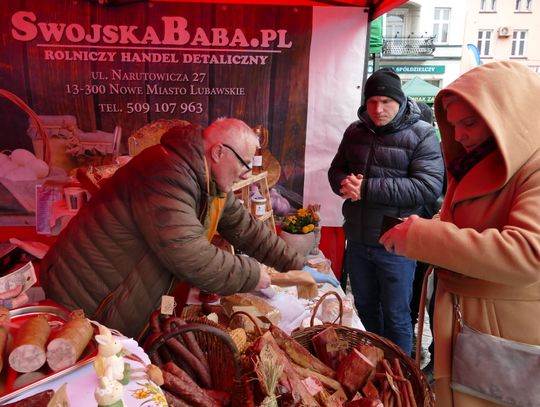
(304, 220)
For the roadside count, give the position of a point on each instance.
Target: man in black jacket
(389, 162)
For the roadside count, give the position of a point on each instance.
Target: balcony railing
(411, 46)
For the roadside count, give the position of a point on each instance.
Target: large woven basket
(422, 391)
(35, 118)
(150, 134)
(222, 354)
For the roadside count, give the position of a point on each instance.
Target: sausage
(37, 400)
(178, 382)
(222, 397)
(155, 356)
(156, 359)
(182, 352)
(154, 322)
(173, 400)
(4, 331)
(408, 398)
(182, 364)
(28, 353)
(189, 338)
(364, 402)
(163, 355)
(69, 343)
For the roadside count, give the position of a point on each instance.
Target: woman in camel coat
(486, 242)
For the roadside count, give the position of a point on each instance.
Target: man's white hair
(226, 129)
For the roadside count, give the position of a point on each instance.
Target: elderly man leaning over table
(150, 227)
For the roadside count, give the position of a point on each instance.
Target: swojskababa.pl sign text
(174, 31)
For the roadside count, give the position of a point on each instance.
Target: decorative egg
(6, 167)
(21, 156)
(39, 167)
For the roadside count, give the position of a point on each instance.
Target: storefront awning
(420, 90)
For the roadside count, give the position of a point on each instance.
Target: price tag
(167, 305)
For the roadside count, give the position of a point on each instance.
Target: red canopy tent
(332, 242)
(376, 7)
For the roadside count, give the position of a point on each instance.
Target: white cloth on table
(293, 310)
(82, 382)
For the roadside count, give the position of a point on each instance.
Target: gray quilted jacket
(142, 229)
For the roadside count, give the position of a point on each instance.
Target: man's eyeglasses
(245, 164)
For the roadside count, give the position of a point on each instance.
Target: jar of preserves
(258, 206)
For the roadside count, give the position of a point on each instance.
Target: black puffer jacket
(142, 229)
(402, 167)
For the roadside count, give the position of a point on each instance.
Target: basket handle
(224, 336)
(33, 115)
(250, 317)
(321, 300)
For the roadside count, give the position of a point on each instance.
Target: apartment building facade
(505, 30)
(423, 41)
(436, 41)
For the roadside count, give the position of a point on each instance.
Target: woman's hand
(395, 239)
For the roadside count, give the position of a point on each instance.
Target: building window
(519, 43)
(488, 5)
(523, 5)
(441, 20)
(395, 23)
(484, 42)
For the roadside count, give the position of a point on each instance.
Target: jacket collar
(408, 113)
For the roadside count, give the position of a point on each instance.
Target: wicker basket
(151, 133)
(257, 330)
(422, 391)
(35, 118)
(222, 355)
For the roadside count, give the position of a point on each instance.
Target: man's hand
(264, 281)
(351, 187)
(395, 239)
(321, 277)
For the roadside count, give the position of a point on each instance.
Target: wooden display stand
(261, 180)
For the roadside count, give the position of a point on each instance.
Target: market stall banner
(294, 70)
